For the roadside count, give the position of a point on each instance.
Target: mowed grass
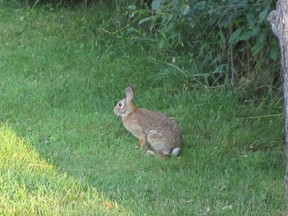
(64, 152)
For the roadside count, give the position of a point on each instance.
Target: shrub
(230, 39)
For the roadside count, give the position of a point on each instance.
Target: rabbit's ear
(129, 93)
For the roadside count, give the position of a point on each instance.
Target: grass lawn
(64, 152)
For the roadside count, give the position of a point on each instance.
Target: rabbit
(153, 129)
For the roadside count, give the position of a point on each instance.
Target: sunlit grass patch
(31, 186)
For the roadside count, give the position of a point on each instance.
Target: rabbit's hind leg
(157, 143)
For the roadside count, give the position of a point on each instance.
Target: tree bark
(279, 23)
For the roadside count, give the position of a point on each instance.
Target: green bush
(230, 39)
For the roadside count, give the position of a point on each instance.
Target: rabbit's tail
(175, 151)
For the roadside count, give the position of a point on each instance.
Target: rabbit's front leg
(144, 145)
(143, 142)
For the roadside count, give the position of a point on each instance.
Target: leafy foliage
(230, 38)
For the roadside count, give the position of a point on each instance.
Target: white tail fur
(175, 151)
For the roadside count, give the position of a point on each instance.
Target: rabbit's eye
(120, 104)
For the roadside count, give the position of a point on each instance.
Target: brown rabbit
(153, 129)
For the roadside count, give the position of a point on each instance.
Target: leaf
(131, 7)
(262, 36)
(250, 17)
(257, 48)
(274, 54)
(185, 10)
(200, 5)
(133, 30)
(263, 15)
(156, 4)
(225, 21)
(146, 19)
(234, 37)
(246, 35)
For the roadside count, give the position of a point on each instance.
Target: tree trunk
(279, 23)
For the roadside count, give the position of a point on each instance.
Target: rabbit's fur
(153, 129)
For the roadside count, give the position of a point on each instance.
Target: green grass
(64, 152)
